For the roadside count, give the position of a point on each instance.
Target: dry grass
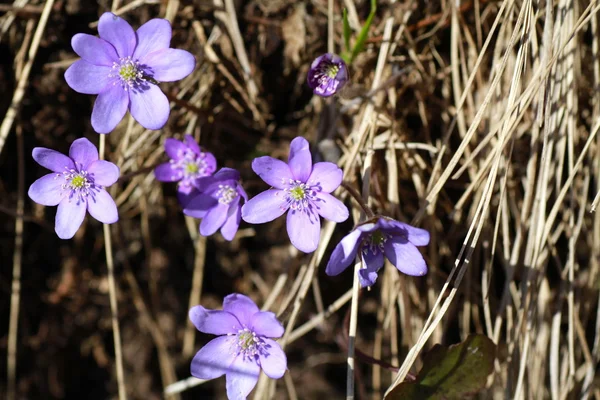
(476, 120)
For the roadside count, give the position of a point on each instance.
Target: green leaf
(364, 32)
(454, 372)
(347, 31)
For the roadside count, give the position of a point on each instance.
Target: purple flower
(218, 203)
(187, 164)
(123, 68)
(243, 348)
(327, 75)
(396, 240)
(302, 188)
(76, 184)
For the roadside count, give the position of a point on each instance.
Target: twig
(112, 292)
(15, 293)
(19, 92)
(330, 34)
(195, 294)
(356, 196)
(352, 333)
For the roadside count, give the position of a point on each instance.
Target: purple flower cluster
(301, 188)
(123, 68)
(243, 348)
(76, 185)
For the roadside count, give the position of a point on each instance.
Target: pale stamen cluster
(375, 242)
(191, 165)
(78, 183)
(226, 194)
(128, 71)
(248, 344)
(327, 73)
(298, 195)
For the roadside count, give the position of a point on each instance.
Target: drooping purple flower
(243, 348)
(328, 73)
(76, 184)
(218, 203)
(396, 240)
(123, 68)
(188, 163)
(302, 188)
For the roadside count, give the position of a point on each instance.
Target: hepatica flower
(218, 203)
(301, 188)
(243, 347)
(372, 241)
(187, 164)
(327, 75)
(76, 184)
(123, 68)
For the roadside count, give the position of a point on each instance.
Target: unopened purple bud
(327, 75)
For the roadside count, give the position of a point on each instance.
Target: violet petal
(265, 323)
(241, 378)
(372, 263)
(94, 50)
(116, 31)
(47, 190)
(331, 208)
(304, 230)
(325, 175)
(232, 223)
(191, 143)
(273, 171)
(52, 160)
(215, 358)
(214, 219)
(214, 322)
(300, 159)
(264, 207)
(274, 362)
(165, 173)
(83, 152)
(87, 78)
(109, 109)
(406, 257)
(174, 148)
(102, 207)
(154, 35)
(242, 307)
(69, 216)
(149, 107)
(170, 65)
(344, 253)
(104, 172)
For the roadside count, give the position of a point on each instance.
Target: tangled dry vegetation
(476, 120)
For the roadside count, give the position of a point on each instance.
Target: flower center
(249, 345)
(192, 165)
(299, 196)
(77, 183)
(375, 242)
(191, 168)
(129, 72)
(226, 194)
(332, 70)
(298, 192)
